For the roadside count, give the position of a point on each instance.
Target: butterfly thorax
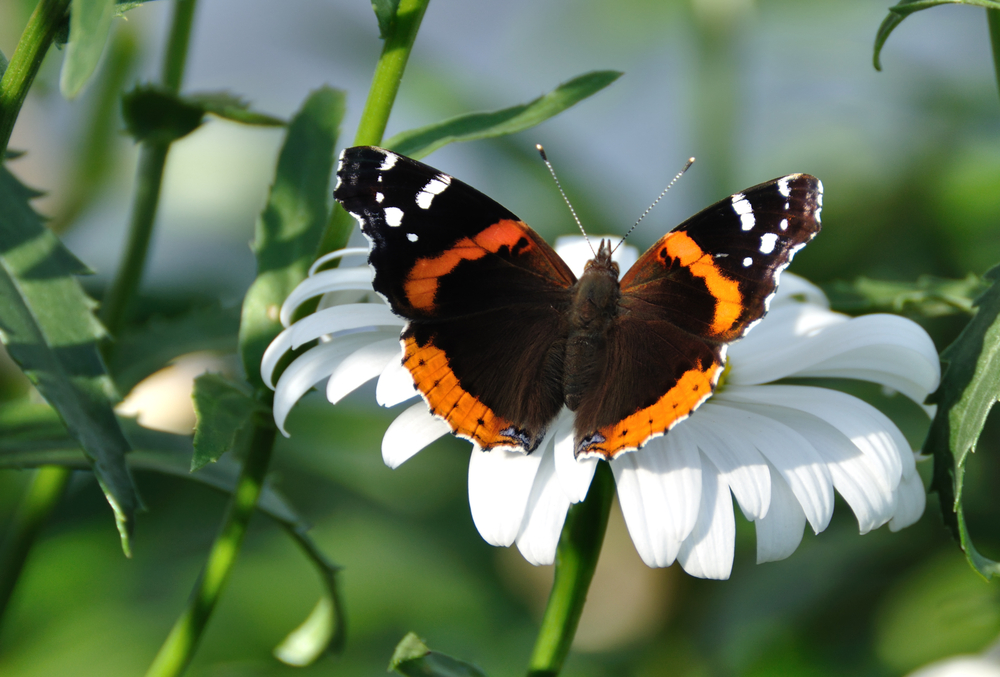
(594, 307)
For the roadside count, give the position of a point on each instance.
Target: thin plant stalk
(182, 642)
(576, 559)
(993, 19)
(39, 502)
(25, 62)
(381, 97)
(149, 181)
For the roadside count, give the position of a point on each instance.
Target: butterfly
(501, 334)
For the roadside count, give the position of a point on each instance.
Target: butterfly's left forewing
(700, 287)
(483, 293)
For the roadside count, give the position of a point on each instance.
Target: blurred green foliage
(877, 605)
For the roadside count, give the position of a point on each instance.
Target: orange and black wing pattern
(484, 295)
(700, 287)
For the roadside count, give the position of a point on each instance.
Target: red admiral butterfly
(501, 334)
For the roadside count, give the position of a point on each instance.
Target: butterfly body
(501, 334)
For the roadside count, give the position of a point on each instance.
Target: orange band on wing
(693, 388)
(422, 281)
(468, 417)
(728, 299)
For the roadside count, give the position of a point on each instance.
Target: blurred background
(910, 160)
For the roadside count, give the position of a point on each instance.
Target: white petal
(395, 385)
(780, 532)
(361, 367)
(545, 514)
(741, 466)
(860, 481)
(309, 369)
(911, 498)
(868, 429)
(335, 279)
(347, 317)
(410, 432)
(500, 484)
(574, 475)
(795, 289)
(791, 454)
(708, 551)
(782, 327)
(339, 254)
(884, 349)
(659, 489)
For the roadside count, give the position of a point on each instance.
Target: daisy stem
(381, 97)
(25, 62)
(576, 560)
(182, 642)
(149, 180)
(993, 19)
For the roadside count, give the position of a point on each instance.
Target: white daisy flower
(780, 450)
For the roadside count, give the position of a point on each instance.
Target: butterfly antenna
(650, 207)
(545, 159)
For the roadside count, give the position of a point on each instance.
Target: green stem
(381, 97)
(180, 645)
(38, 503)
(25, 61)
(149, 180)
(576, 559)
(993, 19)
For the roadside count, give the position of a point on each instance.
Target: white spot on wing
(389, 162)
(379, 197)
(393, 216)
(767, 242)
(783, 186)
(434, 187)
(784, 224)
(412, 237)
(742, 207)
(747, 262)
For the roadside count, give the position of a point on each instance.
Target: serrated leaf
(89, 25)
(414, 659)
(289, 229)
(907, 7)
(229, 107)
(222, 408)
(969, 388)
(154, 114)
(385, 13)
(929, 296)
(144, 350)
(49, 330)
(417, 143)
(31, 435)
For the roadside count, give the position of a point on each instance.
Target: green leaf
(414, 659)
(969, 388)
(229, 107)
(122, 6)
(3, 63)
(223, 407)
(289, 229)
(31, 435)
(144, 350)
(927, 297)
(89, 25)
(385, 12)
(417, 143)
(153, 113)
(49, 330)
(907, 7)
